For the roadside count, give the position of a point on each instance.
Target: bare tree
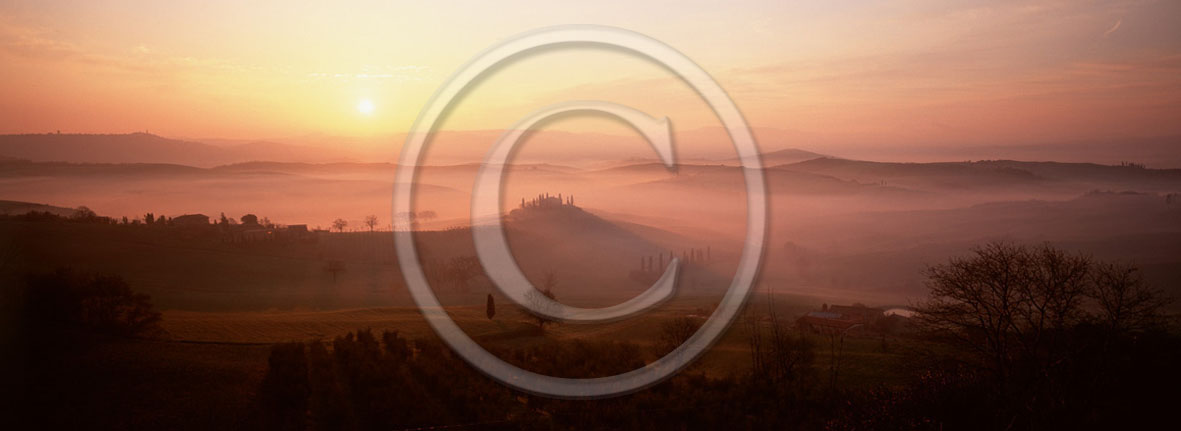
(1006, 302)
(754, 330)
(674, 332)
(339, 224)
(777, 355)
(1126, 303)
(100, 302)
(334, 267)
(371, 222)
(83, 213)
(537, 297)
(789, 355)
(462, 269)
(1043, 327)
(836, 352)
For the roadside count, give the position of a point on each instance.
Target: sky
(876, 72)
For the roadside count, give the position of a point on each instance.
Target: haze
(973, 215)
(927, 73)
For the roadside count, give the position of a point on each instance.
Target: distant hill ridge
(148, 148)
(19, 208)
(819, 175)
(784, 156)
(994, 172)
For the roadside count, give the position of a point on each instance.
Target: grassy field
(224, 305)
(865, 360)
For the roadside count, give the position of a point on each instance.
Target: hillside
(106, 171)
(297, 195)
(947, 174)
(149, 148)
(1019, 178)
(200, 270)
(778, 180)
(889, 250)
(17, 208)
(782, 157)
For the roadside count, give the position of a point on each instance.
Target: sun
(366, 107)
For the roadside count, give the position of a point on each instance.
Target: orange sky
(889, 72)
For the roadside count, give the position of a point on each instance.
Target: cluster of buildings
(840, 319)
(546, 200)
(249, 230)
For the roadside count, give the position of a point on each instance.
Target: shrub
(101, 303)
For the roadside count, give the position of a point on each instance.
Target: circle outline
(731, 302)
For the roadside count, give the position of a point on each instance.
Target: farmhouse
(839, 318)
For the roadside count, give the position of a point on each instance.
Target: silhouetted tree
(99, 302)
(836, 352)
(777, 355)
(334, 267)
(1126, 303)
(371, 222)
(84, 214)
(674, 332)
(548, 283)
(1006, 302)
(249, 219)
(283, 395)
(462, 269)
(327, 403)
(1039, 324)
(339, 224)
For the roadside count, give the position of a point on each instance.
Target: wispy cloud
(1113, 28)
(395, 73)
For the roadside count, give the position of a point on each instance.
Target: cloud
(30, 42)
(1113, 28)
(396, 73)
(34, 43)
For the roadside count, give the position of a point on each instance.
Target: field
(510, 329)
(226, 302)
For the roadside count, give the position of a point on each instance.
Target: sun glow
(366, 107)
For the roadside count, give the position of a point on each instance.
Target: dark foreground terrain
(117, 324)
(1008, 337)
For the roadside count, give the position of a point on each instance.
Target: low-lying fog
(834, 224)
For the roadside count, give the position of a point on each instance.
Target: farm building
(839, 318)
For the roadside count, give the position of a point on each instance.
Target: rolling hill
(149, 148)
(782, 157)
(17, 208)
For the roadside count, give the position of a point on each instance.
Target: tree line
(1010, 337)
